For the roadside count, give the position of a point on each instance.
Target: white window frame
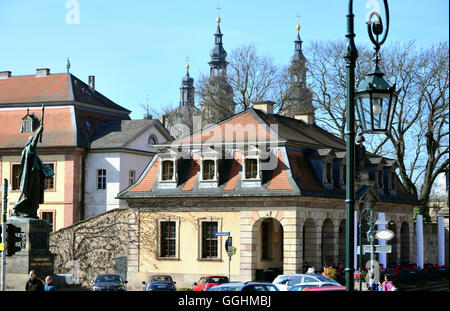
(200, 222)
(98, 176)
(258, 166)
(131, 177)
(177, 238)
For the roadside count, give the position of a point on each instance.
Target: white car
(285, 281)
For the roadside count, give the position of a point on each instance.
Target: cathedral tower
(299, 104)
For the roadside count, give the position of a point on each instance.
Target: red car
(209, 281)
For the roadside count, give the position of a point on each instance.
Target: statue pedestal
(35, 254)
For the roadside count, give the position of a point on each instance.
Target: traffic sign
(377, 249)
(2, 247)
(384, 234)
(222, 234)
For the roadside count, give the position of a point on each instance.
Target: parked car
(247, 286)
(300, 287)
(206, 282)
(109, 282)
(160, 282)
(325, 288)
(286, 281)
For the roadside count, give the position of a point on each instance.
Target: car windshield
(161, 278)
(282, 279)
(322, 278)
(217, 279)
(108, 279)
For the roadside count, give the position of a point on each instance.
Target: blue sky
(135, 48)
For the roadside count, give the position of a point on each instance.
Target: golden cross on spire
(218, 13)
(187, 62)
(298, 22)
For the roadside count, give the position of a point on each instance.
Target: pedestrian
(49, 286)
(387, 285)
(371, 284)
(380, 287)
(34, 284)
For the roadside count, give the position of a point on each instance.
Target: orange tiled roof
(234, 172)
(279, 180)
(58, 129)
(146, 184)
(193, 172)
(243, 127)
(33, 89)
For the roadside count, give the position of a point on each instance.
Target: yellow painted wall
(188, 244)
(51, 196)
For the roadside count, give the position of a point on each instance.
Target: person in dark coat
(34, 284)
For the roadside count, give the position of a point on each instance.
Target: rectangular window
(209, 239)
(50, 182)
(251, 168)
(15, 177)
(167, 170)
(344, 174)
(168, 239)
(101, 179)
(380, 179)
(208, 170)
(28, 126)
(48, 216)
(329, 173)
(131, 177)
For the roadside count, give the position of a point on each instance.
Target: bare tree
(327, 79)
(253, 77)
(419, 136)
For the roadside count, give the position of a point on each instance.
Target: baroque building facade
(276, 184)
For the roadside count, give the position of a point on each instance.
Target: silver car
(285, 281)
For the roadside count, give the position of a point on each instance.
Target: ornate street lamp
(375, 98)
(375, 94)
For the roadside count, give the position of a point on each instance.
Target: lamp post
(370, 236)
(376, 103)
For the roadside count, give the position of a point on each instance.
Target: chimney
(265, 106)
(307, 118)
(5, 74)
(162, 119)
(42, 72)
(92, 82)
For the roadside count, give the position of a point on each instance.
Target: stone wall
(90, 247)
(430, 243)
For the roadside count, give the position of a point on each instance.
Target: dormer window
(29, 123)
(28, 126)
(380, 178)
(392, 185)
(209, 170)
(329, 173)
(152, 141)
(168, 175)
(251, 169)
(168, 169)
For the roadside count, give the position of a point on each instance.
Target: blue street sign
(222, 234)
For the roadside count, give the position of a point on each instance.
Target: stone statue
(32, 179)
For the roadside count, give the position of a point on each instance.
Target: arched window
(152, 140)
